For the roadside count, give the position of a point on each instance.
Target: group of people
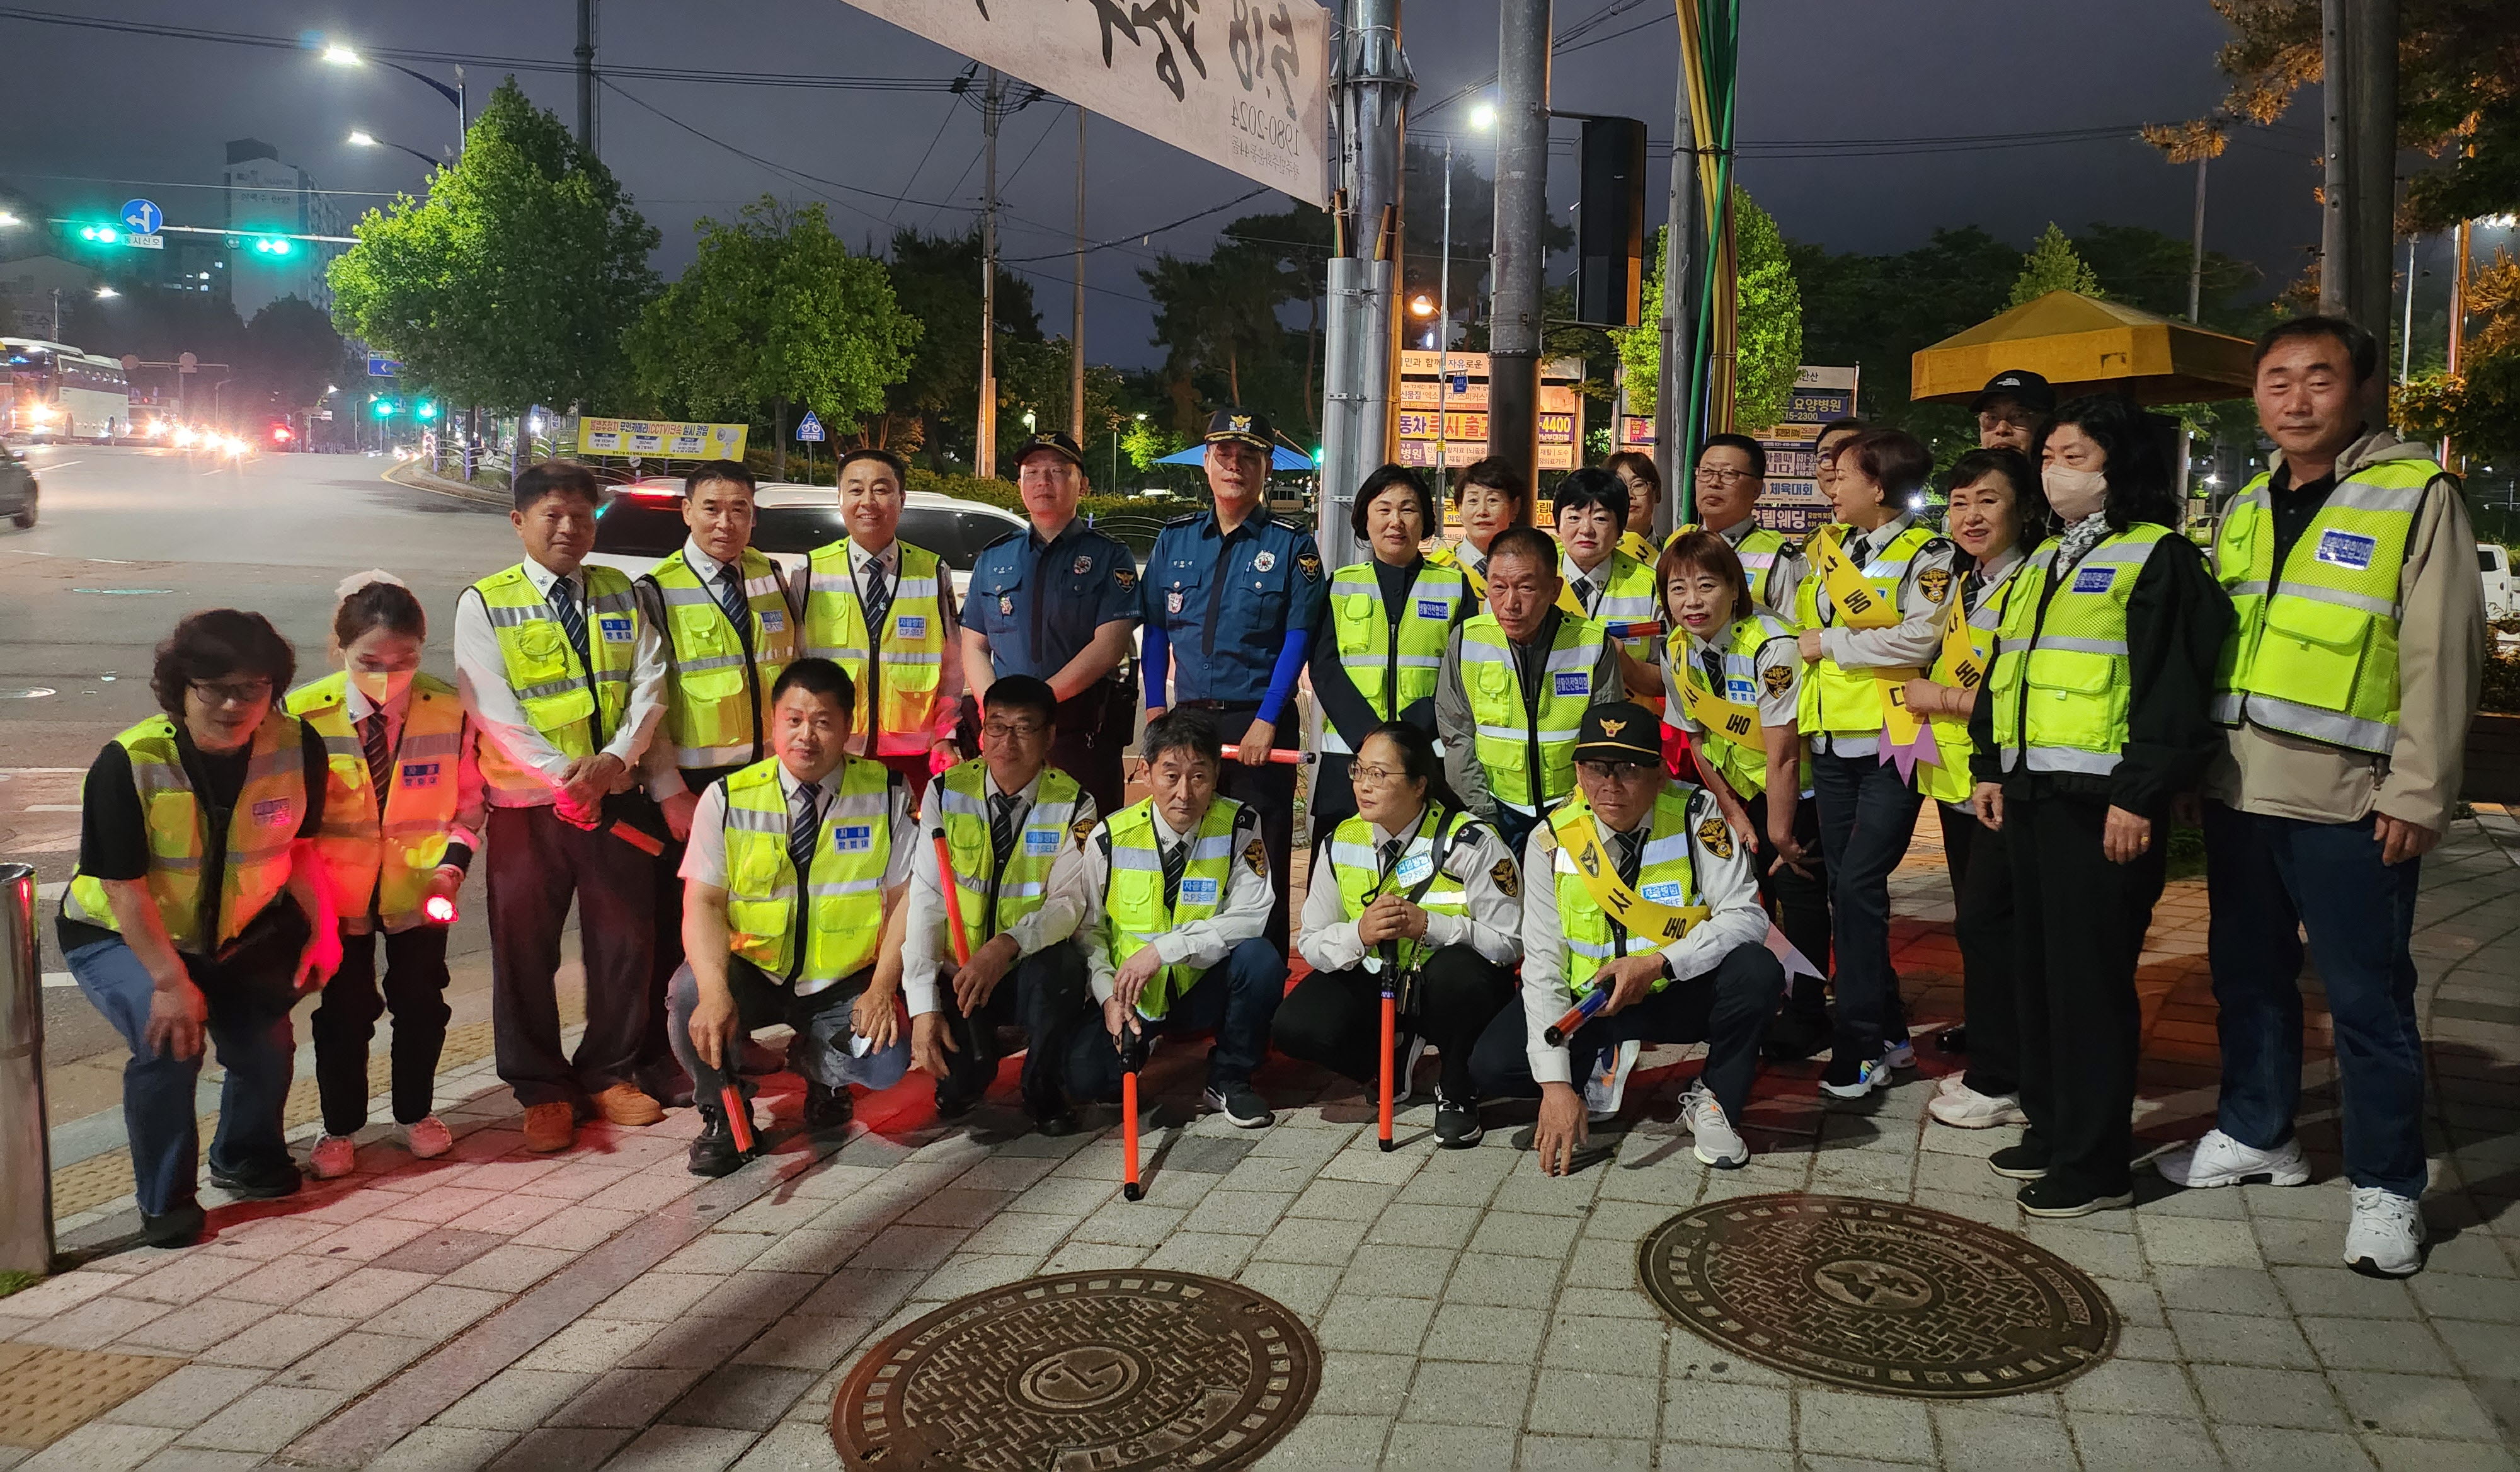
(1574, 795)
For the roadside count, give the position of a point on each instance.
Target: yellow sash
(1641, 916)
(1859, 606)
(1731, 720)
(1962, 658)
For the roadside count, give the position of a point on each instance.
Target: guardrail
(25, 1151)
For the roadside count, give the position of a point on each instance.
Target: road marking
(48, 464)
(124, 592)
(59, 978)
(51, 807)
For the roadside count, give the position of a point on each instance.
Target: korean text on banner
(664, 440)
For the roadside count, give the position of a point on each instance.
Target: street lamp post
(338, 55)
(362, 138)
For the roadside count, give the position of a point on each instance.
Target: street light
(1483, 117)
(105, 291)
(1422, 306)
(362, 138)
(7, 219)
(338, 55)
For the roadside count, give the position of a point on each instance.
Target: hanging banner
(1242, 83)
(664, 439)
(1461, 379)
(1792, 501)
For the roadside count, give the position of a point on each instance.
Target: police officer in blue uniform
(1059, 603)
(1232, 600)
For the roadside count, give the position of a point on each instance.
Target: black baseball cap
(2023, 386)
(1231, 423)
(1620, 731)
(1057, 443)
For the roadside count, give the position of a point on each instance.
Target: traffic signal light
(386, 408)
(1317, 454)
(424, 409)
(273, 245)
(103, 235)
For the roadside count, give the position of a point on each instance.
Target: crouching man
(795, 867)
(1633, 890)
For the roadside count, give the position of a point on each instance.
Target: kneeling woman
(199, 905)
(1415, 891)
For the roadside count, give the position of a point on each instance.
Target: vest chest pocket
(759, 873)
(542, 650)
(2310, 652)
(2075, 697)
(171, 817)
(702, 633)
(1495, 680)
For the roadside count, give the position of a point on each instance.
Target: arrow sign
(143, 216)
(810, 429)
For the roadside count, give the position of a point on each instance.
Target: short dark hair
(1383, 478)
(816, 675)
(557, 478)
(1182, 731)
(215, 644)
(2030, 517)
(1703, 551)
(1524, 541)
(1839, 426)
(1639, 467)
(733, 471)
(1893, 459)
(1757, 452)
(899, 467)
(1417, 759)
(1589, 487)
(378, 604)
(1020, 692)
(1495, 473)
(2361, 348)
(2138, 468)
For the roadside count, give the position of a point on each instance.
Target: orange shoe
(628, 1104)
(550, 1128)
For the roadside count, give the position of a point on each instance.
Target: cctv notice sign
(1242, 83)
(660, 439)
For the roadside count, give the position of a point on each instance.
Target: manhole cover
(46, 1394)
(1878, 1295)
(1103, 1370)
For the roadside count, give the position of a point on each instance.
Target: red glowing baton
(437, 909)
(1234, 753)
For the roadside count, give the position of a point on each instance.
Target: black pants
(1796, 902)
(1090, 735)
(1335, 1018)
(1983, 924)
(822, 1051)
(1233, 1000)
(415, 990)
(1271, 791)
(1867, 812)
(2078, 928)
(1044, 993)
(537, 864)
(1726, 1009)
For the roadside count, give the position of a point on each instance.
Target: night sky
(97, 117)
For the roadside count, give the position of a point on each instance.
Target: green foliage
(1147, 442)
(516, 281)
(2501, 687)
(2053, 266)
(2479, 408)
(1037, 377)
(936, 281)
(1872, 311)
(290, 353)
(1770, 350)
(12, 1280)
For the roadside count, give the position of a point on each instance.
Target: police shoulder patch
(1935, 583)
(1717, 837)
(1255, 856)
(1776, 677)
(1310, 564)
(1507, 879)
(1084, 828)
(1124, 578)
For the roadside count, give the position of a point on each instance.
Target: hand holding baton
(1634, 628)
(1556, 1033)
(1133, 1056)
(1234, 753)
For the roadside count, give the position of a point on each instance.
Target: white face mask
(2073, 493)
(382, 688)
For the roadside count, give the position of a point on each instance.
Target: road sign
(380, 366)
(143, 216)
(809, 428)
(146, 242)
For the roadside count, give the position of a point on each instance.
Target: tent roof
(2084, 345)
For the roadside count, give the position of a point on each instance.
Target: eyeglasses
(1013, 730)
(1712, 475)
(232, 692)
(1374, 776)
(1617, 772)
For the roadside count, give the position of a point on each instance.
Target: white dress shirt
(927, 953)
(1908, 643)
(482, 678)
(1198, 944)
(1492, 926)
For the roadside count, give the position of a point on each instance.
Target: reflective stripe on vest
(1666, 874)
(1743, 763)
(389, 861)
(561, 699)
(963, 808)
(1762, 551)
(897, 709)
(1835, 699)
(843, 884)
(1628, 596)
(1356, 865)
(715, 706)
(1948, 780)
(1134, 912)
(1377, 662)
(2061, 679)
(1507, 744)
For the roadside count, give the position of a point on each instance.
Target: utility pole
(585, 75)
(1076, 338)
(1373, 111)
(2196, 248)
(1673, 382)
(2406, 333)
(1443, 333)
(984, 450)
(1521, 215)
(2358, 48)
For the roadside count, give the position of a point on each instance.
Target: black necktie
(1002, 828)
(371, 736)
(879, 599)
(1628, 849)
(1713, 663)
(1391, 853)
(730, 597)
(572, 618)
(803, 828)
(1176, 858)
(1584, 594)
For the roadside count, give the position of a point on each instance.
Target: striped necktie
(1627, 847)
(1584, 594)
(371, 736)
(1001, 829)
(731, 598)
(1176, 858)
(572, 618)
(804, 827)
(879, 599)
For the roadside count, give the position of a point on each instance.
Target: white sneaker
(335, 1156)
(1951, 1083)
(429, 1138)
(1964, 1108)
(1608, 1086)
(1719, 1146)
(2387, 1238)
(1871, 1076)
(1899, 1054)
(2217, 1160)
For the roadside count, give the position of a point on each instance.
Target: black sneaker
(2019, 1163)
(179, 1226)
(269, 1183)
(1059, 1124)
(2051, 1197)
(1241, 1106)
(834, 1107)
(1457, 1123)
(713, 1153)
(1953, 1039)
(1794, 1034)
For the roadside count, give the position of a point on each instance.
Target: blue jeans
(249, 1025)
(1867, 812)
(821, 1050)
(1236, 999)
(2267, 878)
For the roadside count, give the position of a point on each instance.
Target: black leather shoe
(1057, 1125)
(1794, 1036)
(180, 1226)
(267, 1184)
(2019, 1163)
(713, 1153)
(1953, 1038)
(827, 1108)
(951, 1103)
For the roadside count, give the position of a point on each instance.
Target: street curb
(410, 476)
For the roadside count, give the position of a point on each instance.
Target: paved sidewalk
(605, 1309)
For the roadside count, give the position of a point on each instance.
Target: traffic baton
(1576, 1016)
(738, 1116)
(1132, 1056)
(953, 902)
(1234, 753)
(437, 909)
(1634, 628)
(1391, 1041)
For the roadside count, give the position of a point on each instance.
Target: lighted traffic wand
(1556, 1033)
(1634, 628)
(437, 909)
(1133, 1057)
(1283, 758)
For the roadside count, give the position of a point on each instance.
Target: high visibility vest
(2062, 678)
(1391, 666)
(898, 674)
(1468, 560)
(1835, 699)
(2313, 648)
(1358, 867)
(1627, 597)
(1967, 652)
(1530, 763)
(1765, 554)
(575, 707)
(844, 885)
(1666, 874)
(717, 706)
(1736, 739)
(1134, 912)
(388, 858)
(269, 806)
(963, 808)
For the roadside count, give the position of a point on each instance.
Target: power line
(1118, 240)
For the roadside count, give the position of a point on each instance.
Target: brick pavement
(605, 1309)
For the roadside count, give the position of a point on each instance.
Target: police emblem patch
(1006, 605)
(1263, 561)
(1083, 828)
(1083, 564)
(1256, 858)
(1310, 564)
(1125, 577)
(1935, 583)
(1173, 601)
(1716, 837)
(1502, 876)
(1776, 680)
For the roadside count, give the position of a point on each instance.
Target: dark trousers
(1271, 791)
(537, 864)
(1234, 999)
(2269, 879)
(658, 1072)
(1726, 1009)
(1983, 925)
(1335, 1018)
(2079, 925)
(1044, 993)
(819, 1053)
(415, 990)
(1867, 812)
(1798, 905)
(1090, 735)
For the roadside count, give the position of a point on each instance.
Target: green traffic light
(425, 410)
(386, 408)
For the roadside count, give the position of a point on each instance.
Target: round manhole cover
(1109, 1370)
(1878, 1295)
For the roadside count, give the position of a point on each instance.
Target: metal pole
(1076, 342)
(1671, 380)
(984, 449)
(1444, 333)
(26, 1150)
(1521, 215)
(1372, 104)
(462, 114)
(2406, 333)
(2359, 44)
(586, 74)
(2196, 251)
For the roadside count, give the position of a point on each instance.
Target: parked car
(643, 522)
(16, 489)
(2493, 564)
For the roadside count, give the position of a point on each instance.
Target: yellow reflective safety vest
(1836, 699)
(1468, 560)
(387, 858)
(717, 706)
(575, 707)
(1638, 545)
(993, 901)
(898, 672)
(1358, 867)
(1627, 597)
(2061, 679)
(841, 892)
(1530, 763)
(1765, 555)
(2313, 645)
(1134, 912)
(1666, 875)
(1967, 652)
(1733, 737)
(1392, 664)
(268, 810)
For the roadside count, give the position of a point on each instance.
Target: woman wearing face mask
(402, 805)
(1997, 514)
(2092, 716)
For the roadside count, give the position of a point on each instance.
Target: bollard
(25, 1151)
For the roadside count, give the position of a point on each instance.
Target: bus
(51, 391)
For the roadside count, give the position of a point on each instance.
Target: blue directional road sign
(380, 366)
(143, 216)
(810, 429)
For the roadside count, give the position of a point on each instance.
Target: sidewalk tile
(2402, 1454)
(60, 1295)
(759, 1296)
(1487, 1335)
(808, 1250)
(1119, 1224)
(856, 1292)
(1321, 1441)
(436, 1312)
(577, 1228)
(1358, 1322)
(1525, 1234)
(918, 1247)
(188, 1278)
(283, 1282)
(806, 1342)
(201, 1459)
(1426, 1447)
(1343, 1200)
(745, 1397)
(957, 1206)
(1303, 1288)
(439, 1205)
(2422, 1405)
(2356, 1344)
(718, 1252)
(100, 1447)
(197, 1326)
(2249, 1396)
(186, 1397)
(443, 1448)
(508, 1214)
(276, 1342)
(353, 1363)
(2240, 1339)
(1587, 1403)
(1842, 1423)
(1585, 1453)
(2218, 1290)
(1242, 1213)
(1690, 1456)
(1506, 1283)
(1407, 1271)
(93, 1324)
(1402, 1224)
(2133, 1387)
(2332, 1288)
(367, 1239)
(2139, 1443)
(701, 1342)
(681, 1448)
(1215, 1254)
(592, 1345)
(510, 1268)
(1609, 1345)
(792, 1447)
(628, 1397)
(1360, 1383)
(264, 1420)
(516, 1400)
(1607, 1303)
(2264, 1449)
(1977, 1438)
(364, 1292)
(1311, 1239)
(658, 1295)
(2456, 1296)
(1716, 1413)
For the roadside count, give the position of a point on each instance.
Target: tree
(288, 356)
(936, 281)
(1768, 350)
(1218, 318)
(2053, 266)
(2479, 408)
(514, 283)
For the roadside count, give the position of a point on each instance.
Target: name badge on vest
(1198, 892)
(2346, 550)
(273, 811)
(910, 626)
(1434, 608)
(853, 838)
(1739, 691)
(1662, 893)
(616, 629)
(1415, 868)
(2095, 579)
(1041, 841)
(1574, 683)
(420, 773)
(773, 622)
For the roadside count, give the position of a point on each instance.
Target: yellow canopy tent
(2082, 346)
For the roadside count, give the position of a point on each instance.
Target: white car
(642, 522)
(2494, 566)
